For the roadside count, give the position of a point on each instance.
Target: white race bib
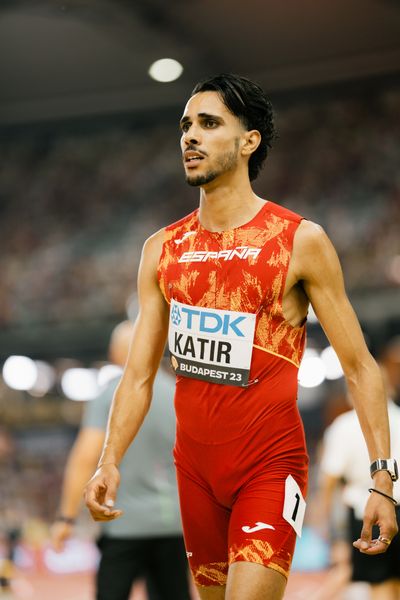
(211, 344)
(294, 506)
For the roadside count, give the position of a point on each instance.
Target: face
(210, 140)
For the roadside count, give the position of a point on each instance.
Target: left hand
(378, 511)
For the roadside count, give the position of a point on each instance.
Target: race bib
(210, 344)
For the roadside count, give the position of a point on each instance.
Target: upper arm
(319, 270)
(151, 325)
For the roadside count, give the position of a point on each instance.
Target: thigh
(268, 512)
(120, 565)
(167, 571)
(205, 526)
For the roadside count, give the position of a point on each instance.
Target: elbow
(361, 368)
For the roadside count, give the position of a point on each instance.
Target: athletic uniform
(240, 449)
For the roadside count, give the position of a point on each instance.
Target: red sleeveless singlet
(244, 270)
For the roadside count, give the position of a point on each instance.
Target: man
(147, 542)
(232, 283)
(345, 459)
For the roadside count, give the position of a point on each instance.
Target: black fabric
(161, 561)
(379, 568)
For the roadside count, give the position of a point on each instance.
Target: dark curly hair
(249, 103)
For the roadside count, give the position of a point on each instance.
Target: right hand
(101, 491)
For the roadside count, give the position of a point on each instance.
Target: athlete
(230, 286)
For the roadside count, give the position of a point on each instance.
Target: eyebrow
(203, 116)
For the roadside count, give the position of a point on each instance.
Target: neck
(227, 205)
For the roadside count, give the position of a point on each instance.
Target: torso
(246, 269)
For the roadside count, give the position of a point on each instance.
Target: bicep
(151, 325)
(323, 283)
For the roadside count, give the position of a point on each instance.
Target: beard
(226, 162)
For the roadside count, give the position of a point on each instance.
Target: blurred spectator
(345, 461)
(88, 200)
(146, 541)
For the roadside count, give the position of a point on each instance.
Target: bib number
(210, 344)
(294, 506)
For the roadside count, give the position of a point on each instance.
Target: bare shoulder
(155, 241)
(313, 251)
(153, 246)
(310, 236)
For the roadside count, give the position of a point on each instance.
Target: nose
(191, 136)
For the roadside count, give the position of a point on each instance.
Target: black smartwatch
(385, 464)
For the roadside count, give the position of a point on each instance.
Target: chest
(235, 270)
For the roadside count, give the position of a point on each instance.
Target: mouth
(192, 159)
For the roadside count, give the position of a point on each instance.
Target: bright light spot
(80, 384)
(19, 372)
(312, 370)
(107, 374)
(333, 367)
(165, 70)
(45, 379)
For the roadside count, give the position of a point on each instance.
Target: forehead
(207, 103)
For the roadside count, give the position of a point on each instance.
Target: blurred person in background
(10, 518)
(244, 269)
(147, 541)
(344, 462)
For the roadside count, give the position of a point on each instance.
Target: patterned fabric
(236, 446)
(211, 275)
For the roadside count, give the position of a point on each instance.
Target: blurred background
(90, 166)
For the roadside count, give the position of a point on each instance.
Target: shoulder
(154, 243)
(314, 254)
(282, 212)
(310, 235)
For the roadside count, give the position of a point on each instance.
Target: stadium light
(332, 364)
(312, 370)
(20, 372)
(165, 70)
(80, 384)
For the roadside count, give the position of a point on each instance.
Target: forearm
(368, 395)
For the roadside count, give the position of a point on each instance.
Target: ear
(251, 141)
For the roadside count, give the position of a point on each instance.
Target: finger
(93, 499)
(362, 545)
(365, 540)
(110, 517)
(110, 494)
(378, 546)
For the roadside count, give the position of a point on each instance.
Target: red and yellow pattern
(245, 285)
(253, 281)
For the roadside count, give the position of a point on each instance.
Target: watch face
(396, 470)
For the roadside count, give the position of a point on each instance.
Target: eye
(210, 123)
(185, 126)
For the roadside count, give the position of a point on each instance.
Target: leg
(212, 592)
(120, 565)
(205, 525)
(167, 571)
(252, 581)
